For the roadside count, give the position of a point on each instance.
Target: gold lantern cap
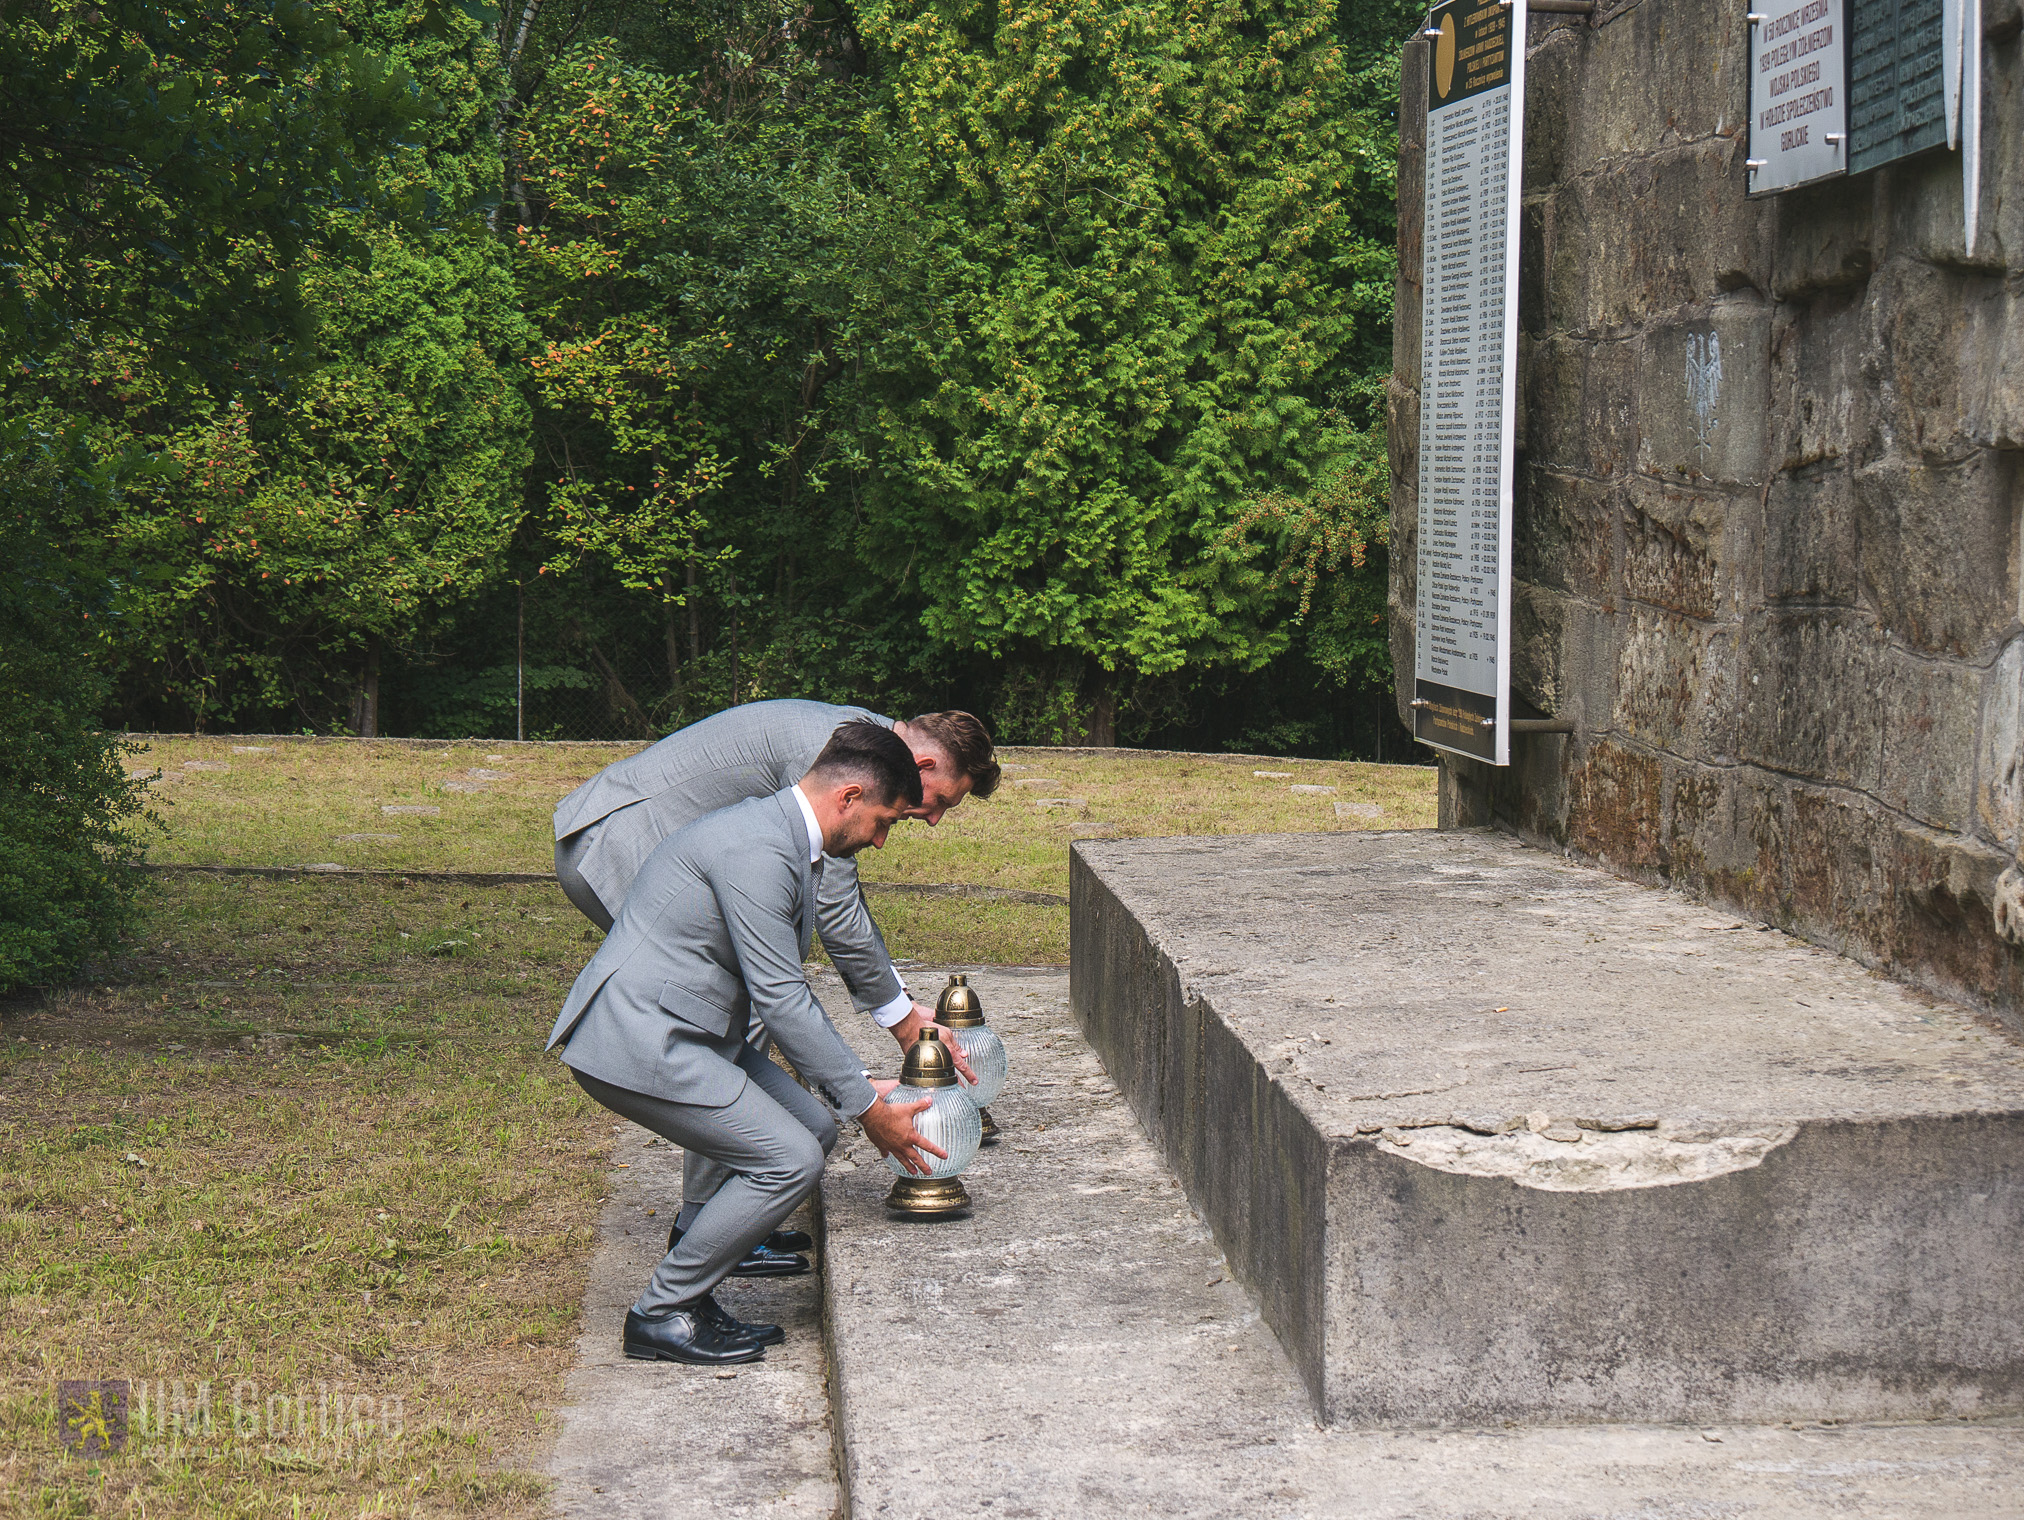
(959, 1007)
(928, 1062)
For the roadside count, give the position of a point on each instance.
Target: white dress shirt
(887, 1014)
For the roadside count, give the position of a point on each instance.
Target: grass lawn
(295, 1170)
(298, 1161)
(298, 802)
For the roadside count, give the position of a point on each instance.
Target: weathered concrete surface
(654, 1441)
(1788, 629)
(1076, 1347)
(1496, 1136)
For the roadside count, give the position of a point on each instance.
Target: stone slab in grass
(1319, 791)
(411, 810)
(1497, 1136)
(466, 788)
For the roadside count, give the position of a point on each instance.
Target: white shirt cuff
(889, 1014)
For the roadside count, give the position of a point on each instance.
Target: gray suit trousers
(770, 1144)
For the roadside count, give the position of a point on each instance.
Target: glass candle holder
(960, 1011)
(950, 1121)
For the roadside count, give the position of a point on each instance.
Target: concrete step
(1076, 1346)
(1495, 1137)
(653, 1441)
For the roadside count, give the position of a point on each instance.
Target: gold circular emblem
(1444, 57)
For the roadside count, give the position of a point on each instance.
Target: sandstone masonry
(1787, 630)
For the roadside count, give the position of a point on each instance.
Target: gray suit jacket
(749, 751)
(713, 931)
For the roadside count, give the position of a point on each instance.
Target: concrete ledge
(1495, 1137)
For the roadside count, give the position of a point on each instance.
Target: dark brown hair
(962, 738)
(872, 754)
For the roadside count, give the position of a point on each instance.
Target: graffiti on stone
(1704, 388)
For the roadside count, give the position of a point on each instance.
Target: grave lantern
(952, 1124)
(961, 1012)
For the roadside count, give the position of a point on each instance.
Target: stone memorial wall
(1770, 472)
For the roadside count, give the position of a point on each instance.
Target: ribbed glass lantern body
(985, 1052)
(952, 1124)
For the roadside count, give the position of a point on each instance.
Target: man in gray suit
(606, 829)
(711, 936)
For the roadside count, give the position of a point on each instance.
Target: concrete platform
(1495, 1137)
(1076, 1347)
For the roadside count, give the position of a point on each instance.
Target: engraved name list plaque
(1468, 369)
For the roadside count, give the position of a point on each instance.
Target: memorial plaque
(1897, 87)
(1798, 99)
(1468, 368)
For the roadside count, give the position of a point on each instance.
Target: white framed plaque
(1798, 93)
(1468, 377)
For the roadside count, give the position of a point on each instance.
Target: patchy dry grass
(294, 802)
(300, 1155)
(304, 802)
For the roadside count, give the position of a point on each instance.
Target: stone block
(1808, 684)
(1938, 546)
(1811, 548)
(1926, 720)
(1654, 77)
(1538, 645)
(1662, 232)
(1675, 685)
(1564, 531)
(1932, 344)
(1947, 894)
(1402, 433)
(1535, 310)
(1703, 388)
(2001, 424)
(1614, 809)
(1823, 238)
(1999, 753)
(1675, 548)
(1558, 71)
(1822, 392)
(1540, 1199)
(1577, 410)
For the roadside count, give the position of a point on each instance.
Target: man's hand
(908, 1029)
(890, 1127)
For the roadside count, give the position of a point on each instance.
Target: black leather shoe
(789, 1240)
(761, 1261)
(683, 1335)
(752, 1332)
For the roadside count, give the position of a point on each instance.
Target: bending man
(711, 938)
(606, 829)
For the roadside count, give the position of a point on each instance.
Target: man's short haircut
(962, 738)
(875, 758)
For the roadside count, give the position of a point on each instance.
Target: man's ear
(848, 796)
(925, 762)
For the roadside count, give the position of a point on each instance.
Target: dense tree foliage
(636, 359)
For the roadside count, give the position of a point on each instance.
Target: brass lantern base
(928, 1197)
(991, 1130)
